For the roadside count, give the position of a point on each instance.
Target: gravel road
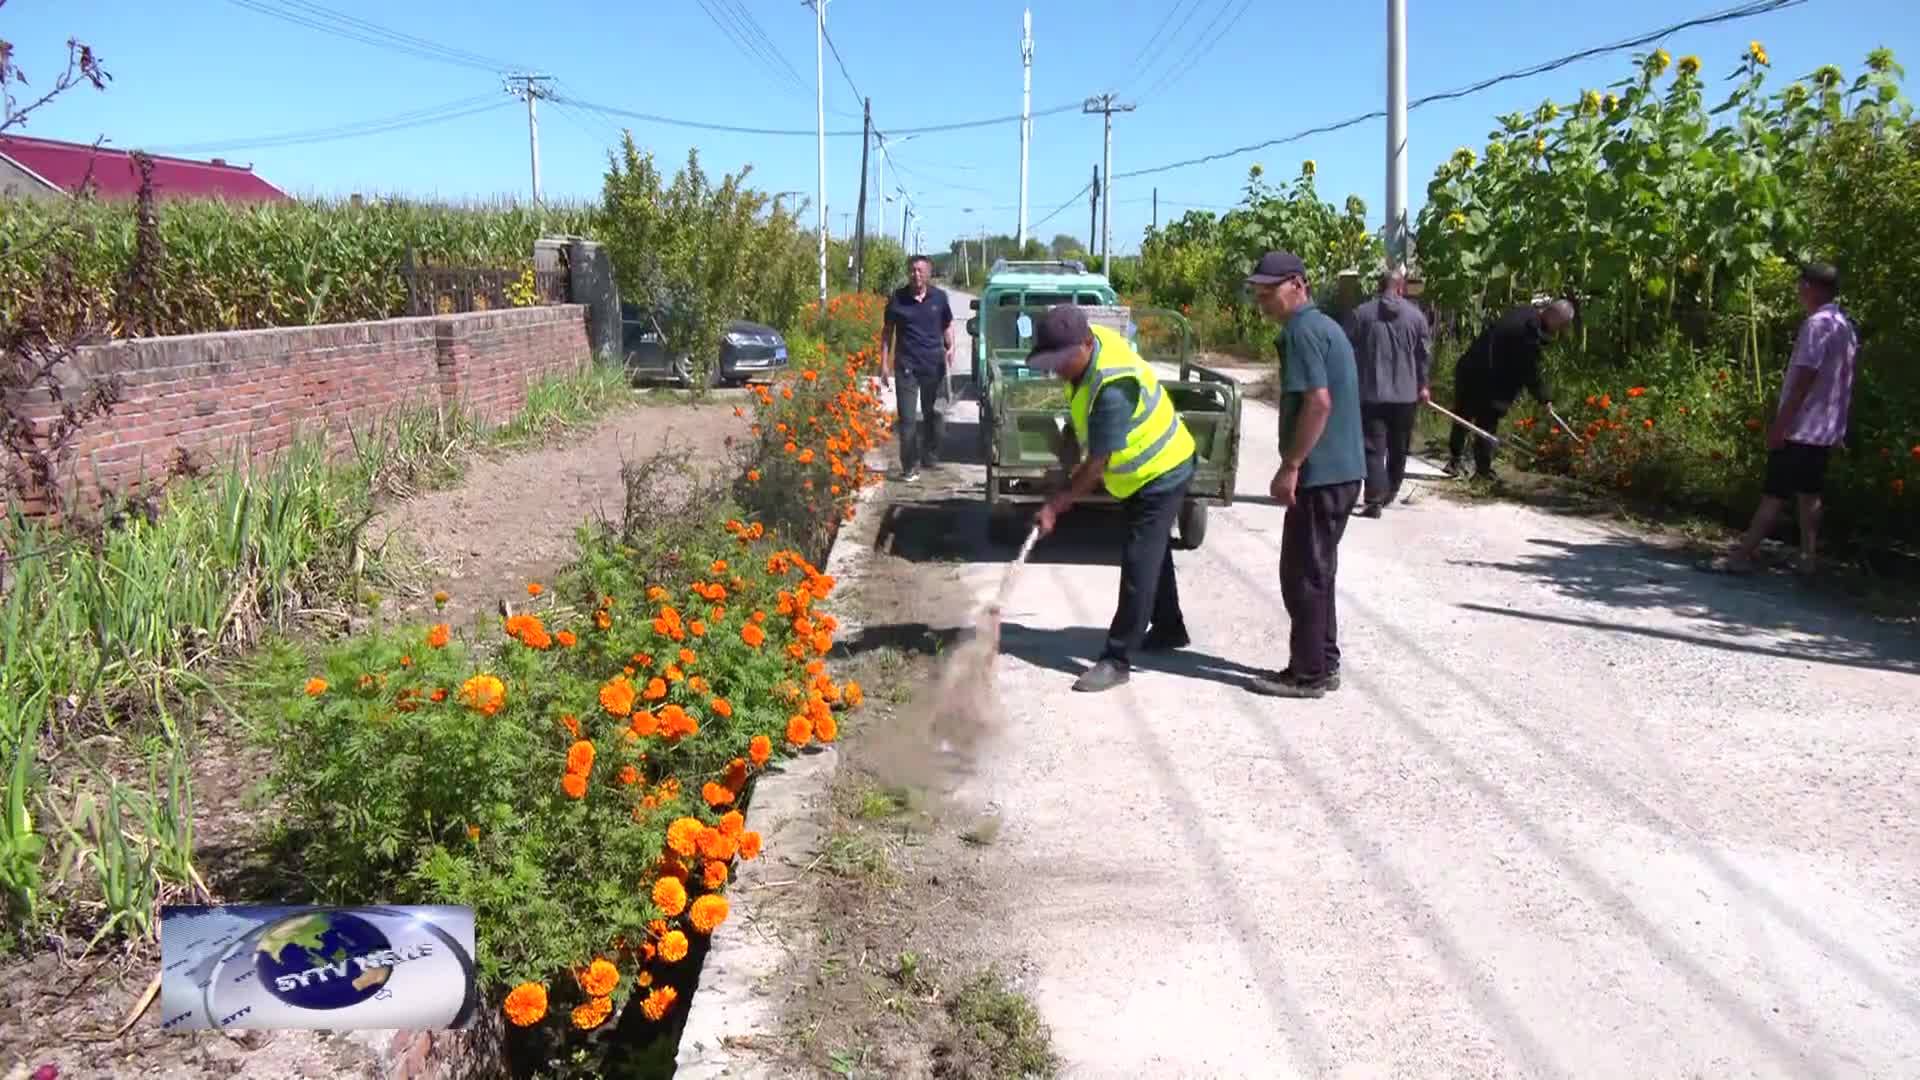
(1578, 810)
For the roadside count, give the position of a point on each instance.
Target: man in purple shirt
(1815, 402)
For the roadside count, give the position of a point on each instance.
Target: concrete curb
(735, 1010)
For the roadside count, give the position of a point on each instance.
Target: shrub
(577, 770)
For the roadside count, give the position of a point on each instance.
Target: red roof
(65, 166)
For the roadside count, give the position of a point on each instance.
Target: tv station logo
(338, 968)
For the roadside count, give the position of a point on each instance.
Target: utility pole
(860, 214)
(1106, 106)
(1396, 133)
(1156, 206)
(1093, 214)
(820, 120)
(1026, 115)
(532, 88)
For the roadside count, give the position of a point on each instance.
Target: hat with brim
(1275, 267)
(1062, 329)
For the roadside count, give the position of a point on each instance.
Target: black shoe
(1162, 641)
(1104, 675)
(1371, 510)
(1454, 468)
(1286, 684)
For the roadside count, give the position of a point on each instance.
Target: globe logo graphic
(320, 952)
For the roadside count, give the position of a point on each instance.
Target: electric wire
(379, 37)
(1204, 45)
(452, 110)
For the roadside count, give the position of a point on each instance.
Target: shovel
(1566, 427)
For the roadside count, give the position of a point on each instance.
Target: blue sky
(198, 71)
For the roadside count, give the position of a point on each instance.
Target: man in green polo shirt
(1323, 460)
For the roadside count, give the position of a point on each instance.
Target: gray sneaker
(1104, 675)
(910, 476)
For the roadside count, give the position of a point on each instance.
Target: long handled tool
(1013, 573)
(1566, 427)
(1478, 430)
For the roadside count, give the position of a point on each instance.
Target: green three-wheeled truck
(1024, 423)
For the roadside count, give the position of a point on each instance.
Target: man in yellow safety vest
(1137, 446)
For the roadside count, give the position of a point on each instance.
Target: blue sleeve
(946, 312)
(1107, 420)
(1306, 366)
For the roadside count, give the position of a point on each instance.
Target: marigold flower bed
(577, 771)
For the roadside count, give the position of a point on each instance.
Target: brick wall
(207, 394)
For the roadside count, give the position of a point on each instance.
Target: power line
(1058, 210)
(844, 73)
(1733, 14)
(452, 110)
(1172, 10)
(844, 133)
(315, 17)
(322, 11)
(1200, 48)
(759, 32)
(743, 39)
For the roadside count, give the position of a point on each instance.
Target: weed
(1003, 1022)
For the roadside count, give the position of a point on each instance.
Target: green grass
(111, 630)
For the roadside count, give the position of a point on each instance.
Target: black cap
(1277, 266)
(1062, 330)
(1825, 275)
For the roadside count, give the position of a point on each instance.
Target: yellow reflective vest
(1157, 439)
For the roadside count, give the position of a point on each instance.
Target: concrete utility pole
(1397, 133)
(820, 120)
(860, 212)
(1106, 106)
(532, 88)
(1093, 214)
(1026, 115)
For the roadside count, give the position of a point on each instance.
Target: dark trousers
(1485, 414)
(1309, 558)
(1389, 431)
(921, 398)
(1148, 595)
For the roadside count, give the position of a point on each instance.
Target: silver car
(747, 350)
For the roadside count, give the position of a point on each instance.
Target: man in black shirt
(915, 342)
(1501, 362)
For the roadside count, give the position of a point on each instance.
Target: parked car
(746, 349)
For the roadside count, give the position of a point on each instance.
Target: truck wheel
(1193, 525)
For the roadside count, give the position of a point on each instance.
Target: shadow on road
(1630, 575)
(1073, 650)
(949, 526)
(917, 638)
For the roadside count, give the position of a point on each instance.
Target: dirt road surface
(1579, 808)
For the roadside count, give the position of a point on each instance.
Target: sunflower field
(578, 770)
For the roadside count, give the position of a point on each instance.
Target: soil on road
(1579, 809)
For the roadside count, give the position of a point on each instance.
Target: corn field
(225, 266)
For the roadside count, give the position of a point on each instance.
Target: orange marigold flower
(799, 730)
(670, 896)
(822, 642)
(580, 757)
(603, 620)
(719, 567)
(656, 689)
(753, 477)
(1636, 391)
(715, 844)
(534, 589)
(575, 785)
(617, 696)
(827, 728)
(721, 707)
(796, 650)
(439, 635)
(714, 875)
(673, 947)
(852, 694)
(439, 694)
(759, 749)
(629, 775)
(688, 657)
(708, 913)
(600, 978)
(658, 1002)
(593, 1013)
(644, 724)
(674, 674)
(716, 794)
(440, 598)
(483, 694)
(806, 457)
(655, 594)
(316, 687)
(697, 628)
(683, 836)
(750, 845)
(526, 1005)
(732, 823)
(758, 617)
(753, 635)
(566, 638)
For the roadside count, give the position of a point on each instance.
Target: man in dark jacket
(1392, 346)
(1501, 362)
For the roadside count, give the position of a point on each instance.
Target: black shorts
(1796, 469)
